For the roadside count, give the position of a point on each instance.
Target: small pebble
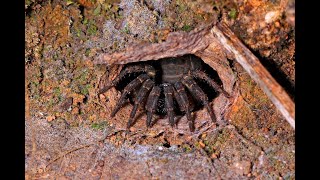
(214, 156)
(202, 145)
(271, 16)
(50, 118)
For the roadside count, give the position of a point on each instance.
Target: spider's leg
(168, 92)
(132, 85)
(205, 77)
(146, 87)
(183, 100)
(179, 100)
(197, 92)
(151, 104)
(131, 69)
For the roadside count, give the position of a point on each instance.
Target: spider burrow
(167, 85)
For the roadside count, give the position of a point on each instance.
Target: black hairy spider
(171, 79)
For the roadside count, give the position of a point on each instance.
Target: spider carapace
(175, 78)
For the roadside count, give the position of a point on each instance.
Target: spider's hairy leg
(151, 104)
(179, 100)
(131, 69)
(183, 100)
(132, 85)
(196, 91)
(168, 92)
(205, 77)
(146, 87)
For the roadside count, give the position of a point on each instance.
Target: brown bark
(176, 44)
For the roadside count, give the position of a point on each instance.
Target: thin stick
(257, 72)
(68, 152)
(105, 136)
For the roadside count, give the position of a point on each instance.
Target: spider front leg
(146, 87)
(179, 100)
(131, 69)
(152, 103)
(182, 99)
(132, 85)
(168, 92)
(196, 91)
(205, 77)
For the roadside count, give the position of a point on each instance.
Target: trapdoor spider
(173, 77)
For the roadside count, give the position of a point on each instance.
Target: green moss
(99, 125)
(250, 84)
(91, 24)
(186, 148)
(36, 97)
(97, 11)
(209, 150)
(206, 142)
(181, 7)
(107, 7)
(199, 17)
(80, 82)
(264, 99)
(126, 29)
(87, 52)
(69, 2)
(85, 21)
(51, 103)
(197, 145)
(222, 137)
(82, 76)
(34, 89)
(111, 10)
(85, 89)
(187, 28)
(34, 85)
(92, 28)
(55, 57)
(233, 13)
(209, 147)
(78, 32)
(57, 93)
(28, 2)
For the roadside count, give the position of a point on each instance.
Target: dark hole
(209, 91)
(85, 99)
(81, 8)
(167, 145)
(159, 135)
(28, 11)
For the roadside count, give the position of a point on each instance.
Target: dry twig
(68, 152)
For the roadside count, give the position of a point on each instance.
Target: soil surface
(69, 132)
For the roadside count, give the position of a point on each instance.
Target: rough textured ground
(69, 134)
